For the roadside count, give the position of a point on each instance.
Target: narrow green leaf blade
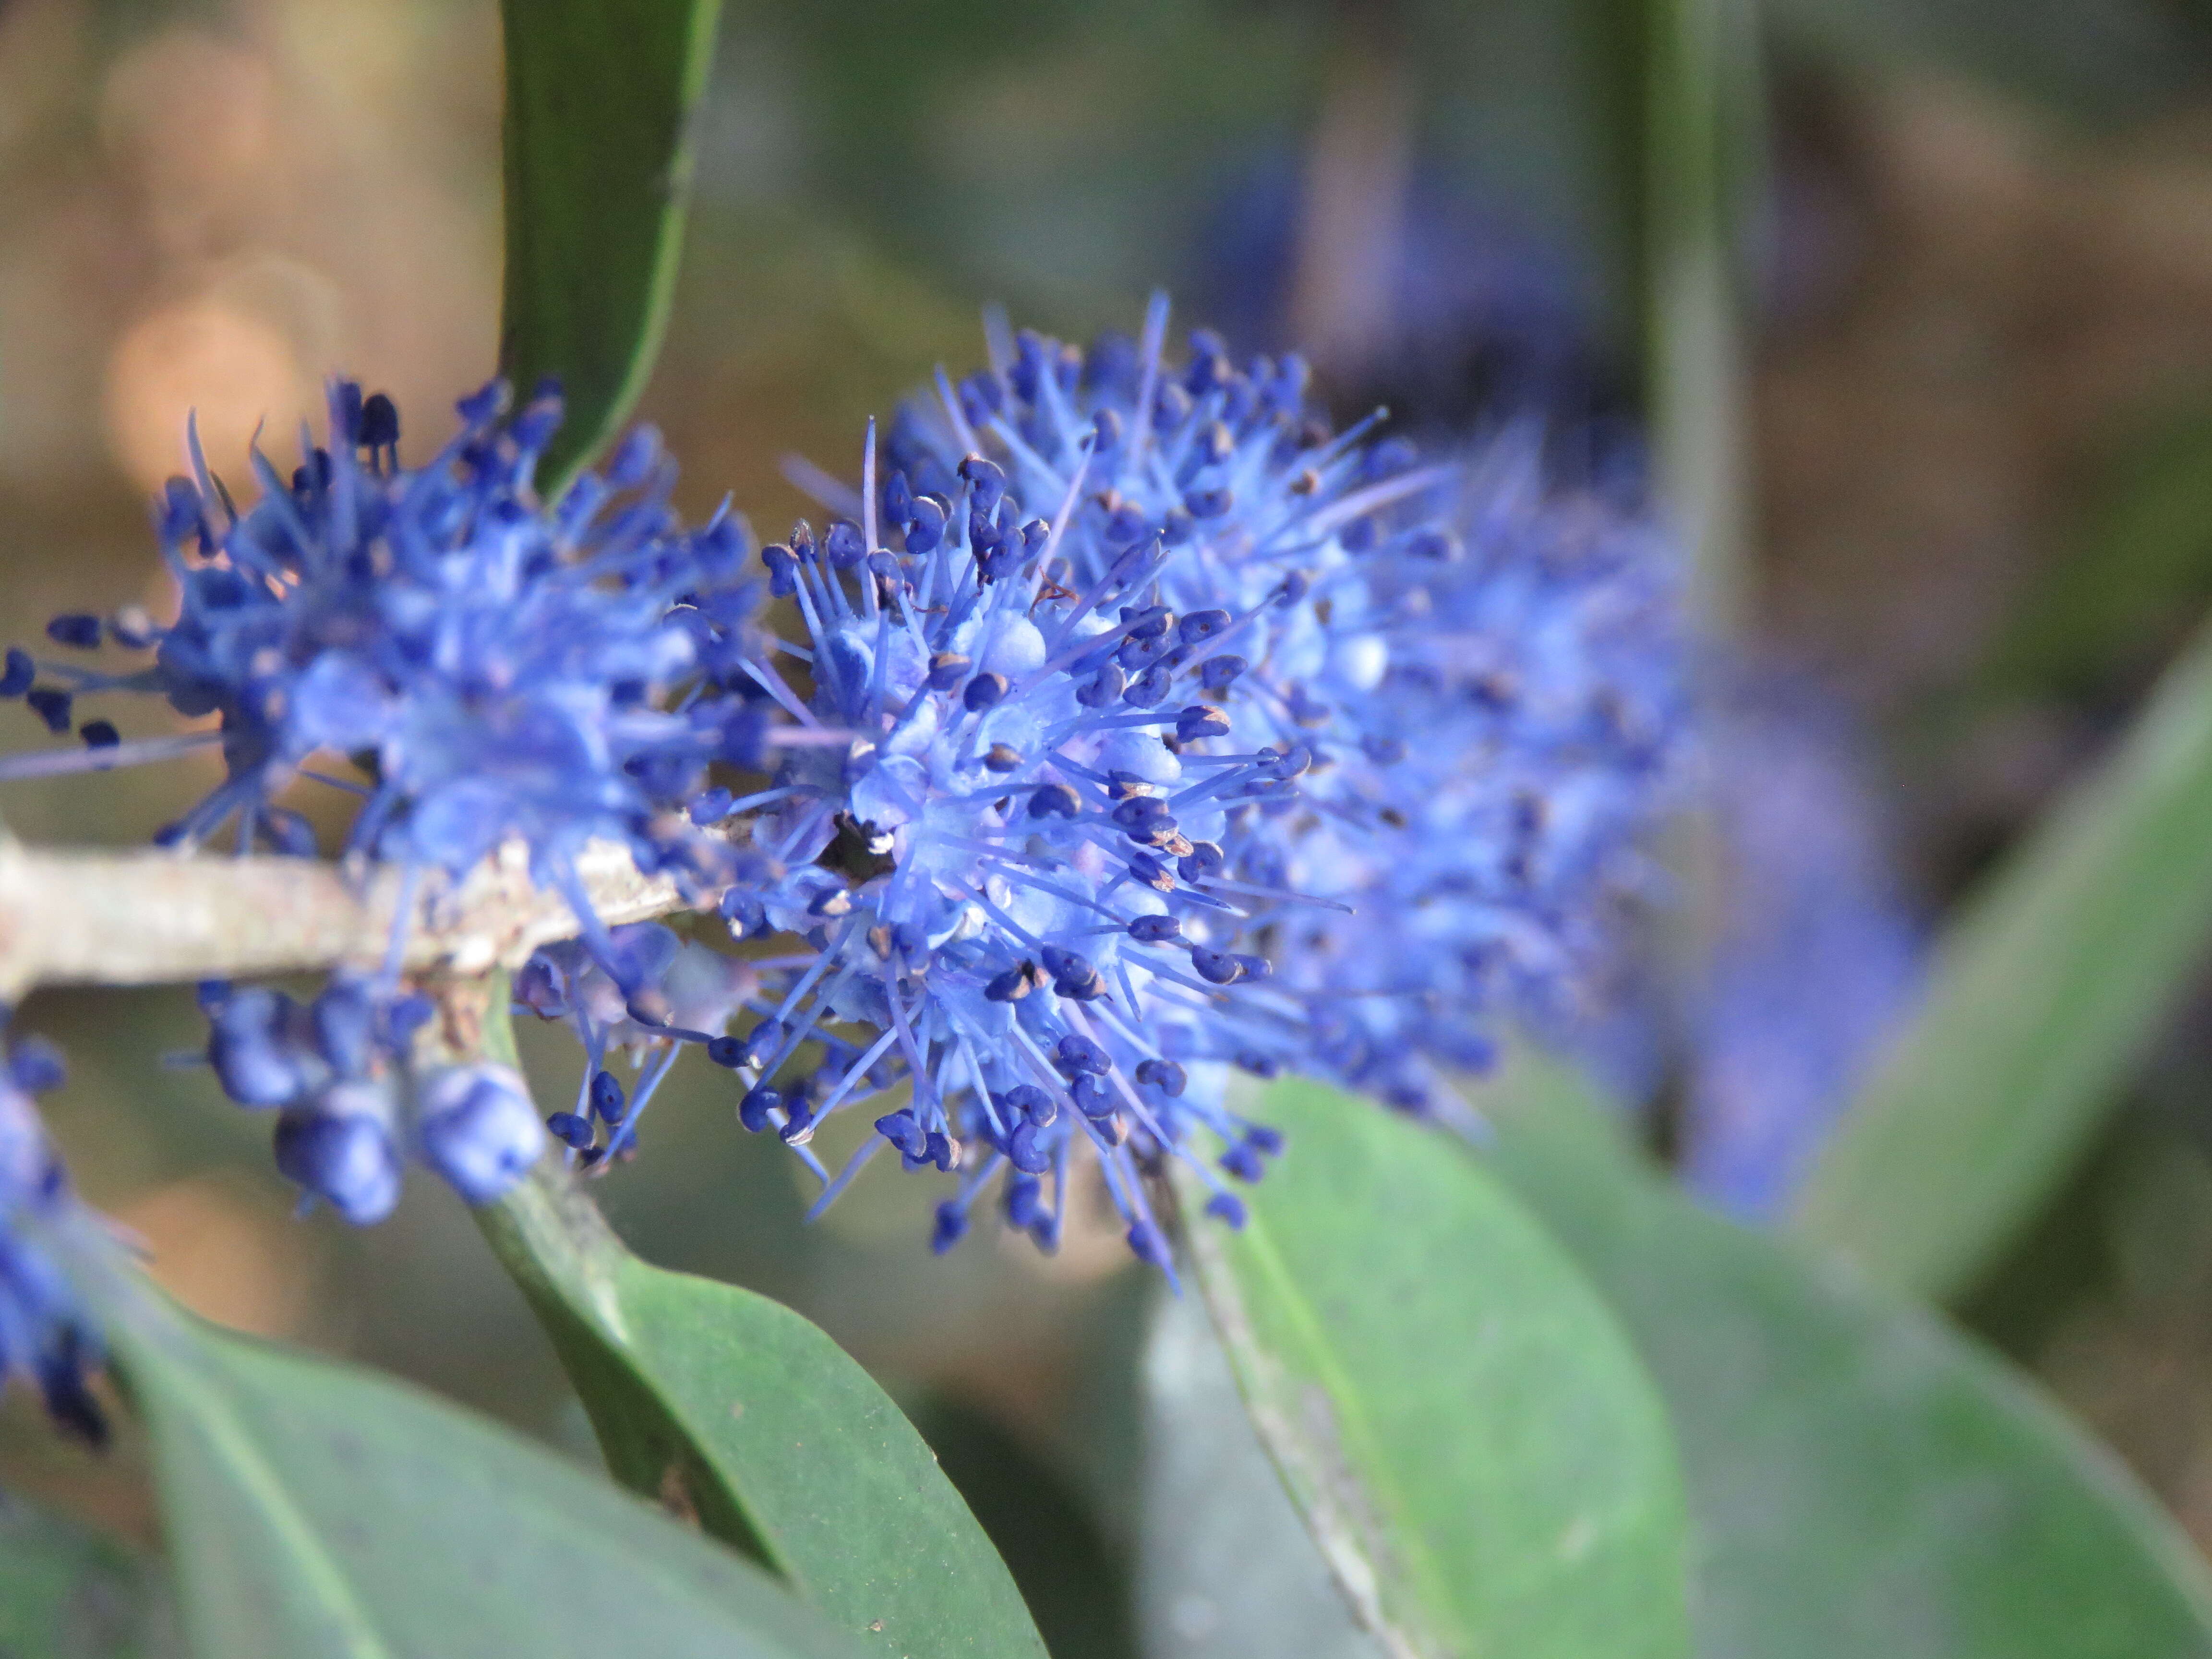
(734, 1404)
(2044, 994)
(1863, 1479)
(599, 106)
(315, 1509)
(1469, 1436)
(67, 1592)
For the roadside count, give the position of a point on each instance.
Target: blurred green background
(1976, 280)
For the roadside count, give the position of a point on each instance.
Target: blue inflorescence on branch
(44, 1337)
(1162, 733)
(498, 671)
(1130, 728)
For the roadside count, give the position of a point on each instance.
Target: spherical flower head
(1167, 733)
(45, 1337)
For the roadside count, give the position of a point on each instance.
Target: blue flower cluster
(44, 1336)
(496, 670)
(1163, 731)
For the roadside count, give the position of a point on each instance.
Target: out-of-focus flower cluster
(44, 1337)
(1182, 735)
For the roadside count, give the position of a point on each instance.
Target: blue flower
(499, 671)
(44, 1336)
(1817, 956)
(1176, 735)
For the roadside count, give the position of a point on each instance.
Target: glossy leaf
(601, 102)
(1864, 1480)
(735, 1406)
(1225, 1568)
(67, 1592)
(316, 1508)
(1467, 1433)
(2043, 996)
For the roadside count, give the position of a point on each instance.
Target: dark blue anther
(1165, 1075)
(1201, 625)
(844, 545)
(1103, 688)
(379, 422)
(75, 629)
(1013, 985)
(1197, 721)
(1216, 672)
(1054, 800)
(1263, 1138)
(831, 903)
(1091, 1097)
(711, 807)
(1031, 1102)
(1227, 1207)
(1105, 432)
(1205, 858)
(798, 1125)
(51, 705)
(1144, 867)
(1253, 967)
(1138, 811)
(1209, 503)
(1025, 1200)
(16, 678)
(782, 570)
(1146, 1240)
(1215, 967)
(1260, 1065)
(1151, 622)
(1072, 975)
(1024, 1152)
(899, 498)
(1077, 1053)
(983, 692)
(1002, 757)
(745, 913)
(100, 734)
(942, 1152)
(1243, 1161)
(608, 1100)
(1149, 688)
(570, 1130)
(727, 1051)
(763, 1041)
(925, 526)
(1155, 930)
(986, 480)
(947, 670)
(345, 1158)
(952, 1226)
(753, 1110)
(900, 1129)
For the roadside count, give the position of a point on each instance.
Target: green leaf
(1469, 1436)
(734, 1406)
(2044, 995)
(314, 1509)
(69, 1593)
(1864, 1480)
(600, 100)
